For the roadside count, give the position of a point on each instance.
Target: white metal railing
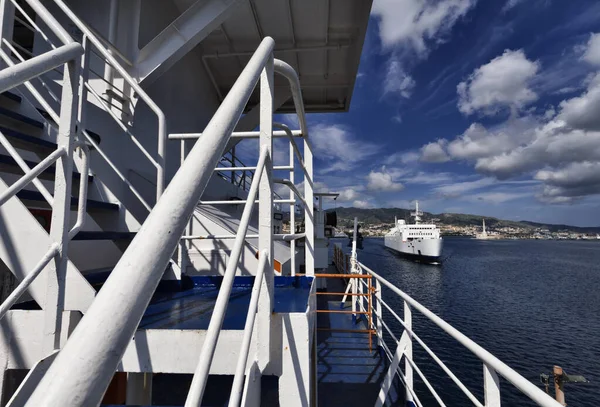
(240, 370)
(67, 55)
(104, 51)
(493, 368)
(82, 371)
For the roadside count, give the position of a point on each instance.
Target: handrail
(521, 383)
(26, 282)
(82, 371)
(16, 75)
(238, 379)
(194, 397)
(162, 123)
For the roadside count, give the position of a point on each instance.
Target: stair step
(101, 235)
(91, 204)
(19, 117)
(12, 96)
(8, 164)
(25, 141)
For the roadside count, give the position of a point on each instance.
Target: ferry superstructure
(138, 248)
(418, 241)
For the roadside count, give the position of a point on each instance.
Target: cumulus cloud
(340, 148)
(413, 24)
(571, 182)
(362, 204)
(504, 82)
(434, 152)
(582, 112)
(382, 181)
(592, 52)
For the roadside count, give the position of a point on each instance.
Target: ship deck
(348, 372)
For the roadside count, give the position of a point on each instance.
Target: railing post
(292, 214)
(61, 210)
(491, 387)
(265, 215)
(309, 226)
(408, 369)
(379, 313)
(7, 21)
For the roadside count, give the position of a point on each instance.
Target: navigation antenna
(416, 214)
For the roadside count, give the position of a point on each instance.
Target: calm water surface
(533, 304)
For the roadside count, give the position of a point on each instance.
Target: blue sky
(489, 107)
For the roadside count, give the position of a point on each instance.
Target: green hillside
(386, 215)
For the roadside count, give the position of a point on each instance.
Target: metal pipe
(211, 237)
(293, 188)
(235, 134)
(196, 392)
(293, 144)
(25, 168)
(30, 175)
(524, 385)
(295, 49)
(16, 75)
(8, 61)
(83, 369)
(42, 12)
(22, 287)
(290, 238)
(239, 202)
(286, 70)
(162, 122)
(83, 188)
(445, 368)
(238, 379)
(121, 176)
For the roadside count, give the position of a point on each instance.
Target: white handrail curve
(82, 371)
(240, 370)
(521, 383)
(196, 392)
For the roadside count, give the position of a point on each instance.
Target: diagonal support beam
(181, 36)
(389, 377)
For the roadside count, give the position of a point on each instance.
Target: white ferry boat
(419, 241)
(134, 268)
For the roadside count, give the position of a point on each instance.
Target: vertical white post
(309, 245)
(183, 244)
(7, 21)
(113, 19)
(379, 309)
(265, 216)
(491, 387)
(292, 214)
(408, 369)
(61, 210)
(355, 282)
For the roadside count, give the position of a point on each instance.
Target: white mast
(416, 214)
(484, 226)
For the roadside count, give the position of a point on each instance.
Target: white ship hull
(426, 249)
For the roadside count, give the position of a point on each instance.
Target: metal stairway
(58, 141)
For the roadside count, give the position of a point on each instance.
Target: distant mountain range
(386, 215)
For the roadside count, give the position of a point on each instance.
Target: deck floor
(348, 373)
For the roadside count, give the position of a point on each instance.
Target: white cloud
(460, 188)
(362, 204)
(382, 181)
(337, 146)
(501, 83)
(402, 157)
(582, 112)
(592, 52)
(397, 80)
(570, 182)
(348, 194)
(434, 152)
(413, 24)
(511, 4)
